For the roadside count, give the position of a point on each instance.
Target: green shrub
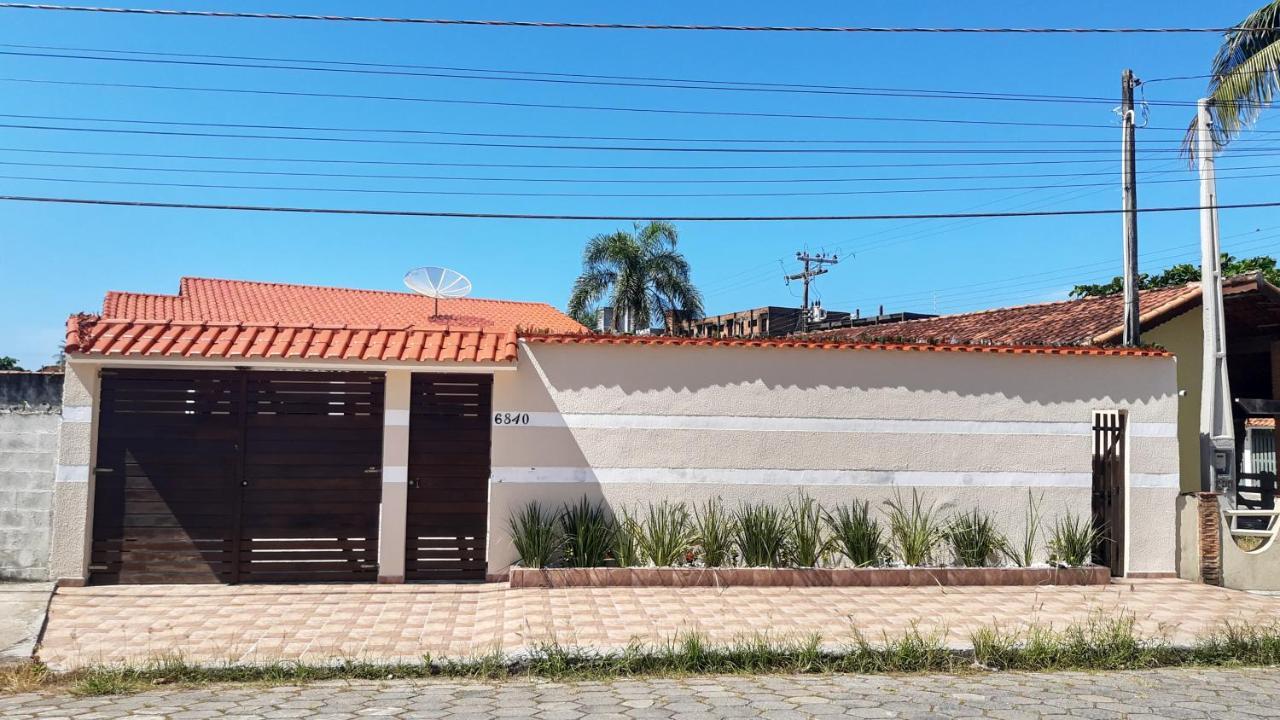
(857, 535)
(626, 541)
(537, 539)
(1072, 540)
(974, 539)
(713, 530)
(588, 533)
(666, 535)
(916, 530)
(809, 542)
(1025, 555)
(762, 535)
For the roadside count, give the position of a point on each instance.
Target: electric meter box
(1224, 465)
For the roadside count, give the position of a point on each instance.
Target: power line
(670, 218)
(579, 166)
(884, 150)
(742, 87)
(619, 26)
(625, 80)
(879, 92)
(553, 106)
(542, 136)
(473, 193)
(612, 181)
(435, 70)
(1007, 285)
(539, 136)
(934, 230)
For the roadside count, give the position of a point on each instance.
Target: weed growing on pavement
(1099, 643)
(23, 678)
(1238, 643)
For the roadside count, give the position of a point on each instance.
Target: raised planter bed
(803, 577)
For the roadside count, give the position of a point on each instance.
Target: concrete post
(395, 477)
(73, 484)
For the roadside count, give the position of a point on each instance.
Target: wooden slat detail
(312, 477)
(170, 499)
(449, 446)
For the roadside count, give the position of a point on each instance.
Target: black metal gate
(1108, 488)
(237, 476)
(449, 437)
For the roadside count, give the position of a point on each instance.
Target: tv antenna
(436, 283)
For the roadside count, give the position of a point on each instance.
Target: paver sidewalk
(1191, 694)
(263, 623)
(22, 609)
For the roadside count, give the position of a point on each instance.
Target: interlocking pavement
(1172, 693)
(318, 623)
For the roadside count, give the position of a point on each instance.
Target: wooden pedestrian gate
(450, 428)
(1108, 488)
(237, 476)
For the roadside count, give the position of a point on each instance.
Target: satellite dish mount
(436, 283)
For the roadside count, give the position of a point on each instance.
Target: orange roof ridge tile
(835, 344)
(327, 288)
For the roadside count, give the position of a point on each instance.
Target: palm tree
(640, 274)
(1246, 72)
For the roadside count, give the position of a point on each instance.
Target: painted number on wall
(510, 418)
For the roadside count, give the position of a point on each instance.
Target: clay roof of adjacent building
(213, 318)
(1088, 321)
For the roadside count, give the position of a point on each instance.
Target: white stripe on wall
(608, 421)
(871, 478)
(71, 474)
(1155, 480)
(395, 418)
(395, 474)
(77, 413)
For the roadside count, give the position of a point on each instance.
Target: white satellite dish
(436, 283)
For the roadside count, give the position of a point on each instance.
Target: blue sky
(59, 259)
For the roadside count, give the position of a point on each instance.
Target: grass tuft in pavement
(1101, 643)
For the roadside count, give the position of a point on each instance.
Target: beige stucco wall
(1189, 538)
(1184, 337)
(629, 424)
(73, 479)
(1258, 570)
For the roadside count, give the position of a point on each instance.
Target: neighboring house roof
(1086, 321)
(812, 342)
(234, 318)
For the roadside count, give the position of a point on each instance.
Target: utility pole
(1129, 181)
(1217, 430)
(812, 269)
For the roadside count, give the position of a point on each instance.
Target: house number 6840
(510, 418)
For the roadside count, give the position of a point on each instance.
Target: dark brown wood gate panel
(237, 476)
(449, 438)
(312, 477)
(1108, 488)
(164, 502)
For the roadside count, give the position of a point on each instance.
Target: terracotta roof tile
(233, 318)
(836, 344)
(1087, 321)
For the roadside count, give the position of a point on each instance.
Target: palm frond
(641, 274)
(1246, 72)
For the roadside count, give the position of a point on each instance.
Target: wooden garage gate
(237, 476)
(449, 437)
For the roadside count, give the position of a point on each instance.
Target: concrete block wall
(30, 420)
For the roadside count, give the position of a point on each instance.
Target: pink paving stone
(264, 623)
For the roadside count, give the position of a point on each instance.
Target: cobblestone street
(1173, 693)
